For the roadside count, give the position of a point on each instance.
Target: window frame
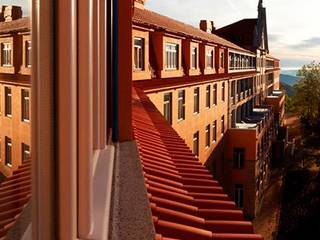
(194, 58)
(167, 102)
(215, 94)
(223, 92)
(25, 150)
(238, 158)
(28, 54)
(8, 152)
(181, 105)
(239, 195)
(210, 64)
(214, 131)
(196, 100)
(208, 96)
(196, 143)
(8, 102)
(171, 56)
(223, 125)
(221, 59)
(140, 55)
(208, 137)
(4, 57)
(25, 102)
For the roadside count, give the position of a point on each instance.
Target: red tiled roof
(15, 193)
(19, 25)
(154, 20)
(186, 202)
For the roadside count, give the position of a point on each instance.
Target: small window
(196, 99)
(238, 158)
(221, 59)
(208, 96)
(6, 54)
(138, 54)
(25, 105)
(8, 102)
(172, 56)
(28, 54)
(8, 153)
(214, 131)
(25, 152)
(222, 125)
(181, 105)
(223, 93)
(214, 94)
(208, 136)
(238, 195)
(194, 58)
(209, 58)
(196, 143)
(167, 107)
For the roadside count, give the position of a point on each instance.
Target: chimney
(2, 8)
(139, 3)
(12, 13)
(207, 26)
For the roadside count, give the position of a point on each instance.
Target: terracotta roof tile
(154, 20)
(19, 25)
(186, 202)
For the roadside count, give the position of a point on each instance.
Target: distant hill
(289, 89)
(288, 79)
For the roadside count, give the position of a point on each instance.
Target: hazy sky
(293, 25)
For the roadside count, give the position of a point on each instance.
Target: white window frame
(28, 57)
(172, 56)
(194, 58)
(6, 54)
(210, 59)
(139, 62)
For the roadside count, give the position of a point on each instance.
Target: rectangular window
(238, 158)
(196, 143)
(6, 54)
(8, 101)
(25, 152)
(214, 131)
(181, 104)
(221, 59)
(238, 195)
(208, 136)
(8, 153)
(222, 125)
(214, 94)
(28, 54)
(138, 54)
(25, 105)
(172, 56)
(194, 58)
(196, 98)
(167, 107)
(209, 59)
(208, 96)
(223, 94)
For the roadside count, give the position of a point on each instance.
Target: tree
(307, 94)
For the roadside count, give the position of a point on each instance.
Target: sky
(293, 25)
(23, 3)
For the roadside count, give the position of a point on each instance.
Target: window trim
(142, 51)
(214, 131)
(6, 100)
(28, 54)
(3, 49)
(194, 57)
(196, 93)
(183, 100)
(23, 100)
(211, 57)
(8, 144)
(172, 52)
(208, 136)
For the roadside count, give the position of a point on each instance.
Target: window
(223, 94)
(238, 158)
(208, 96)
(172, 56)
(209, 56)
(25, 152)
(194, 58)
(138, 54)
(238, 195)
(25, 105)
(196, 143)
(8, 102)
(221, 59)
(222, 125)
(28, 54)
(208, 136)
(8, 153)
(6, 54)
(181, 105)
(214, 131)
(196, 100)
(167, 106)
(214, 94)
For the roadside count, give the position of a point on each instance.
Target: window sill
(8, 116)
(195, 113)
(9, 165)
(25, 120)
(180, 120)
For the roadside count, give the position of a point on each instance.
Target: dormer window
(28, 54)
(221, 59)
(194, 58)
(172, 56)
(209, 59)
(6, 54)
(138, 54)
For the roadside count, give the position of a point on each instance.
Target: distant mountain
(288, 79)
(288, 89)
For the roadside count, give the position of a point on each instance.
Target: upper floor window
(6, 54)
(223, 93)
(25, 105)
(222, 125)
(181, 104)
(172, 56)
(25, 150)
(196, 143)
(194, 58)
(221, 59)
(167, 107)
(238, 195)
(214, 94)
(8, 153)
(208, 136)
(208, 96)
(238, 158)
(8, 101)
(209, 59)
(28, 54)
(196, 96)
(138, 54)
(214, 131)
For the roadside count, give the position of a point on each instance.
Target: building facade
(220, 94)
(15, 89)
